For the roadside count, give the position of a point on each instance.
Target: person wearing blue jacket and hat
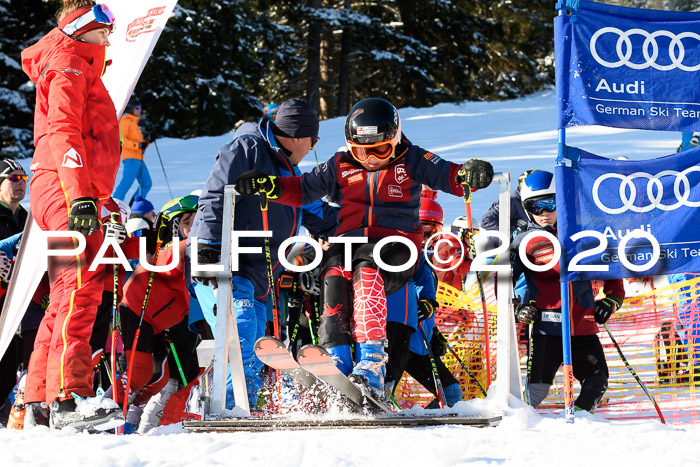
(271, 147)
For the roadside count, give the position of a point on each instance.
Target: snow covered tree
(219, 61)
(22, 22)
(210, 65)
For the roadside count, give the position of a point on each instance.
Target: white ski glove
(5, 267)
(115, 230)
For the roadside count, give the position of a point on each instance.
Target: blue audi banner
(628, 68)
(628, 218)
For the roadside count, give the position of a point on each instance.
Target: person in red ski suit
(377, 182)
(167, 305)
(76, 134)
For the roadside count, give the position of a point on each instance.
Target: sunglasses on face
(314, 141)
(138, 107)
(17, 178)
(537, 206)
(380, 151)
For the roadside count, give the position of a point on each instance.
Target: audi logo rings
(650, 40)
(653, 185)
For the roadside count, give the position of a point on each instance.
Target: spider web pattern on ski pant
(369, 305)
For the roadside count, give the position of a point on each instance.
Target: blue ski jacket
(402, 306)
(253, 147)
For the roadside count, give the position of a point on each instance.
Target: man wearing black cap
(274, 148)
(13, 186)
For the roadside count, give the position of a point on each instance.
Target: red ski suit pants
(61, 362)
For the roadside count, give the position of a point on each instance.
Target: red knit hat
(92, 25)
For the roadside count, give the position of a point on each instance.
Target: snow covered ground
(514, 136)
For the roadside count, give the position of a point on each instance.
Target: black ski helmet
(133, 102)
(371, 121)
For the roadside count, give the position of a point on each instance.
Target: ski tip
(311, 350)
(268, 342)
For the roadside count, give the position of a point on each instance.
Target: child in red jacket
(542, 306)
(377, 182)
(166, 304)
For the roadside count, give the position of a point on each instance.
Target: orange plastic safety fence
(659, 334)
(658, 330)
(461, 320)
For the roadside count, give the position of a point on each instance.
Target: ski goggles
(138, 233)
(99, 13)
(536, 206)
(271, 110)
(187, 203)
(17, 178)
(381, 151)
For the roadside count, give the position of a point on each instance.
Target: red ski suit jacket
(375, 203)
(76, 131)
(169, 301)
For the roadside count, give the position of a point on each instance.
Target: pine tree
(209, 67)
(22, 23)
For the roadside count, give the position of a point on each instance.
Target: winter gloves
(475, 173)
(605, 307)
(254, 181)
(83, 216)
(5, 267)
(526, 314)
(438, 343)
(115, 229)
(207, 253)
(426, 308)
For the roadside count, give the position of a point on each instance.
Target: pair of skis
(316, 371)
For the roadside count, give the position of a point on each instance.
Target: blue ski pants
(251, 318)
(133, 170)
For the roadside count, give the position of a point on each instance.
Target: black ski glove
(526, 314)
(83, 216)
(606, 307)
(426, 308)
(475, 173)
(207, 254)
(5, 267)
(254, 181)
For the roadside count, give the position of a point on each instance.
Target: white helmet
(537, 185)
(135, 224)
(460, 223)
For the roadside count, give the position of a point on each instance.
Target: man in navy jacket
(274, 148)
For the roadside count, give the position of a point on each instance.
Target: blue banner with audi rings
(628, 68)
(628, 218)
